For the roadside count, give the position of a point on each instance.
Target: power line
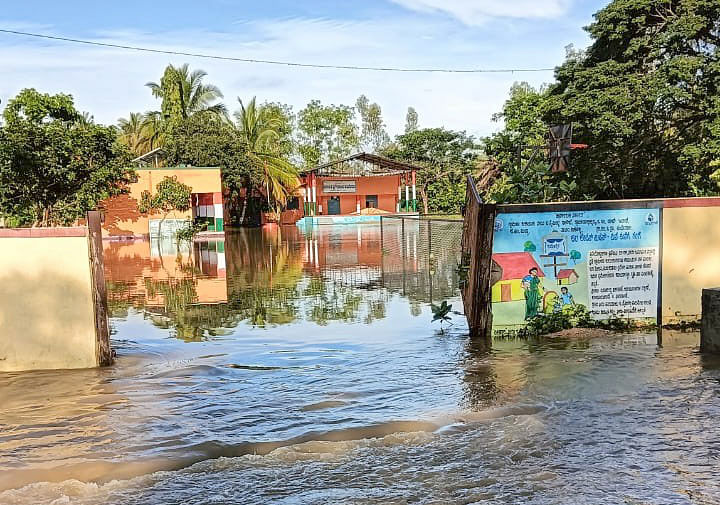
(274, 62)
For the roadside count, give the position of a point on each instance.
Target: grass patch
(578, 316)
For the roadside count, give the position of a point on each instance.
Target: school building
(362, 184)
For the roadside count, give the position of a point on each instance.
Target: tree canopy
(205, 140)
(646, 97)
(170, 194)
(326, 132)
(524, 179)
(643, 96)
(183, 93)
(446, 157)
(259, 130)
(55, 163)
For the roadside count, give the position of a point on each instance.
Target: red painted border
(674, 203)
(74, 231)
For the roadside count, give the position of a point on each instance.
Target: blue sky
(109, 83)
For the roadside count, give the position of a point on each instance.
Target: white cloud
(109, 83)
(475, 12)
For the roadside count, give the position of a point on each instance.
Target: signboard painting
(606, 260)
(339, 186)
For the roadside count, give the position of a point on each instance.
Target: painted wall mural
(545, 262)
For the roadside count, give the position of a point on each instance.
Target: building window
(371, 201)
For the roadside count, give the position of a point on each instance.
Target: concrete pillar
(710, 331)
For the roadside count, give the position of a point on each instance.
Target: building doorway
(371, 201)
(334, 205)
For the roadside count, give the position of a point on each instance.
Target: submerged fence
(420, 256)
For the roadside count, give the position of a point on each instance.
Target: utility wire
(274, 62)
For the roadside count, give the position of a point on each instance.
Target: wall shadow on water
(44, 317)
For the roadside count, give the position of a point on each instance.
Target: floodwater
(301, 367)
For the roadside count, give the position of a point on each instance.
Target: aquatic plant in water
(441, 312)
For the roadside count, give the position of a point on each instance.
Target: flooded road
(301, 367)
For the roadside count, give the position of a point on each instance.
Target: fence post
(429, 241)
(382, 252)
(102, 330)
(483, 265)
(381, 235)
(478, 228)
(402, 248)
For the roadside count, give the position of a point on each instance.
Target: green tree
(445, 158)
(56, 164)
(326, 133)
(644, 96)
(170, 195)
(133, 133)
(529, 246)
(526, 179)
(373, 136)
(205, 140)
(283, 120)
(259, 130)
(154, 128)
(183, 93)
(411, 120)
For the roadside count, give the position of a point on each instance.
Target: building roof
(363, 164)
(565, 273)
(175, 168)
(516, 265)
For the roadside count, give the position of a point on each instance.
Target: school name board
(548, 262)
(339, 187)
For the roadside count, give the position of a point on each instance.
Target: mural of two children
(534, 293)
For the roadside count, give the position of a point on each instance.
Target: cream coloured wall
(691, 259)
(46, 306)
(122, 217)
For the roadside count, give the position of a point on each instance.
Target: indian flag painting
(208, 208)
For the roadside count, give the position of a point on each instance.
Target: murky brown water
(301, 367)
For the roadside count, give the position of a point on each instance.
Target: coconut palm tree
(133, 133)
(154, 129)
(183, 93)
(258, 131)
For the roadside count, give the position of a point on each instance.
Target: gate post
(477, 242)
(102, 330)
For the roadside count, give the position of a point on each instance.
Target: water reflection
(307, 371)
(177, 285)
(282, 275)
